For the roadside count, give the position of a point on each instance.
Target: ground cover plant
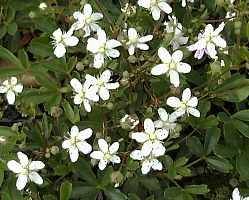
(118, 99)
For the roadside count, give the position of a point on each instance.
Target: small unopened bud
(80, 66)
(32, 14)
(117, 178)
(2, 140)
(129, 121)
(54, 150)
(47, 155)
(56, 111)
(43, 6)
(109, 106)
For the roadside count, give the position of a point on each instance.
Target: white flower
(155, 7)
(63, 40)
(26, 170)
(232, 1)
(77, 142)
(87, 20)
(43, 6)
(187, 105)
(129, 121)
(11, 88)
(207, 41)
(184, 2)
(172, 26)
(135, 41)
(102, 84)
(236, 195)
(151, 139)
(148, 162)
(171, 65)
(166, 121)
(84, 94)
(102, 48)
(106, 154)
(230, 15)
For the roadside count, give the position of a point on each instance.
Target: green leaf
(211, 139)
(242, 127)
(6, 131)
(196, 189)
(9, 71)
(5, 54)
(1, 176)
(65, 190)
(23, 57)
(242, 115)
(3, 31)
(149, 183)
(114, 194)
(86, 192)
(242, 163)
(195, 145)
(174, 193)
(12, 28)
(219, 164)
(69, 112)
(41, 47)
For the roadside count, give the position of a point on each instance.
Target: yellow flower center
(152, 136)
(107, 156)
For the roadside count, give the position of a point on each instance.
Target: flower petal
(36, 165)
(173, 102)
(115, 159)
(114, 148)
(149, 126)
(21, 182)
(156, 164)
(74, 132)
(11, 97)
(110, 44)
(183, 67)
(155, 13)
(164, 55)
(165, 7)
(18, 88)
(36, 178)
(159, 69)
(66, 144)
(140, 137)
(14, 166)
(76, 85)
(158, 149)
(102, 164)
(73, 153)
(163, 114)
(103, 146)
(219, 41)
(104, 93)
(84, 147)
(99, 60)
(146, 166)
(194, 112)
(136, 155)
(144, 3)
(174, 78)
(193, 102)
(85, 134)
(186, 95)
(177, 56)
(113, 53)
(87, 105)
(87, 9)
(59, 50)
(146, 38)
(161, 134)
(147, 148)
(23, 158)
(3, 89)
(132, 33)
(98, 155)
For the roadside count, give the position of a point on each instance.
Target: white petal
(66, 144)
(23, 158)
(36, 165)
(193, 102)
(219, 41)
(87, 105)
(102, 164)
(165, 7)
(74, 131)
(18, 88)
(77, 99)
(155, 13)
(140, 137)
(73, 153)
(3, 89)
(106, 75)
(179, 112)
(174, 78)
(183, 67)
(104, 93)
(110, 44)
(113, 53)
(156, 164)
(211, 50)
(14, 166)
(112, 86)
(87, 9)
(173, 102)
(36, 178)
(149, 126)
(143, 46)
(103, 146)
(59, 50)
(84, 147)
(194, 112)
(147, 148)
(158, 149)
(76, 85)
(98, 155)
(159, 69)
(209, 29)
(21, 182)
(183, 3)
(161, 134)
(101, 36)
(96, 17)
(158, 123)
(177, 56)
(115, 159)
(219, 29)
(85, 134)
(136, 155)
(236, 194)
(13, 80)
(99, 60)
(144, 3)
(92, 45)
(71, 41)
(186, 95)
(146, 166)
(163, 114)
(132, 33)
(146, 38)
(57, 34)
(77, 15)
(114, 148)
(164, 55)
(11, 97)
(199, 54)
(91, 95)
(131, 50)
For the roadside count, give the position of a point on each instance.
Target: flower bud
(2, 140)
(117, 178)
(54, 150)
(43, 6)
(80, 66)
(56, 111)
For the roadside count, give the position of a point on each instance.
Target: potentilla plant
(124, 100)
